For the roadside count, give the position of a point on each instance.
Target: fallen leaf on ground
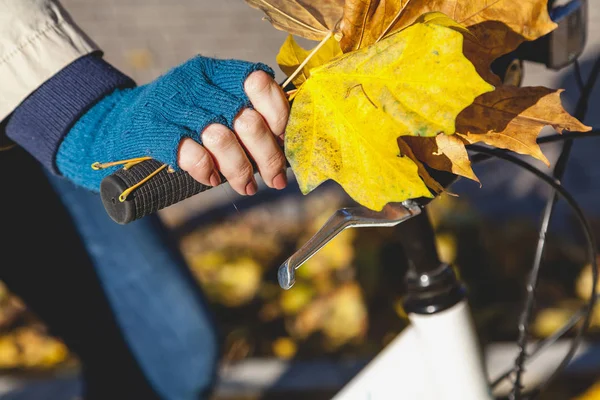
(285, 348)
(340, 315)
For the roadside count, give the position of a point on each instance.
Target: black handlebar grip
(162, 190)
(165, 189)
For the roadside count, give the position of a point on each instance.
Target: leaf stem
(303, 64)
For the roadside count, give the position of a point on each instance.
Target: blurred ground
(488, 232)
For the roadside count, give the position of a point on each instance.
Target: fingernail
(251, 188)
(280, 181)
(215, 179)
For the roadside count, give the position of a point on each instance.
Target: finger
(197, 161)
(230, 158)
(260, 144)
(269, 100)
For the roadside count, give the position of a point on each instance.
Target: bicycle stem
(431, 285)
(436, 304)
(435, 298)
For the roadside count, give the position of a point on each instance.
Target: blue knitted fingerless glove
(151, 120)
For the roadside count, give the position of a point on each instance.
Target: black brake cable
(583, 310)
(557, 188)
(580, 112)
(548, 341)
(558, 173)
(557, 137)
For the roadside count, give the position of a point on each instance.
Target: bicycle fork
(438, 356)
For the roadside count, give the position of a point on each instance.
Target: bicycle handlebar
(168, 188)
(164, 189)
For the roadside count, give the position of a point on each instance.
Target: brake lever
(352, 217)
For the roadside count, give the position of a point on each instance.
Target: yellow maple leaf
(291, 55)
(499, 26)
(346, 118)
(496, 27)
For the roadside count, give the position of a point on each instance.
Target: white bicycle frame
(445, 337)
(436, 357)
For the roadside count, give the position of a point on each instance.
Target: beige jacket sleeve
(37, 39)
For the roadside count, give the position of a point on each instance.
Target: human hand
(205, 116)
(257, 135)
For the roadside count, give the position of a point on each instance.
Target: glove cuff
(40, 123)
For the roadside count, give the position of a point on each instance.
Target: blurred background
(346, 305)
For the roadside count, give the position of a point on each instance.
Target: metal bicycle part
(435, 301)
(562, 46)
(352, 217)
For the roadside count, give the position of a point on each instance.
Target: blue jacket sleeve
(43, 119)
